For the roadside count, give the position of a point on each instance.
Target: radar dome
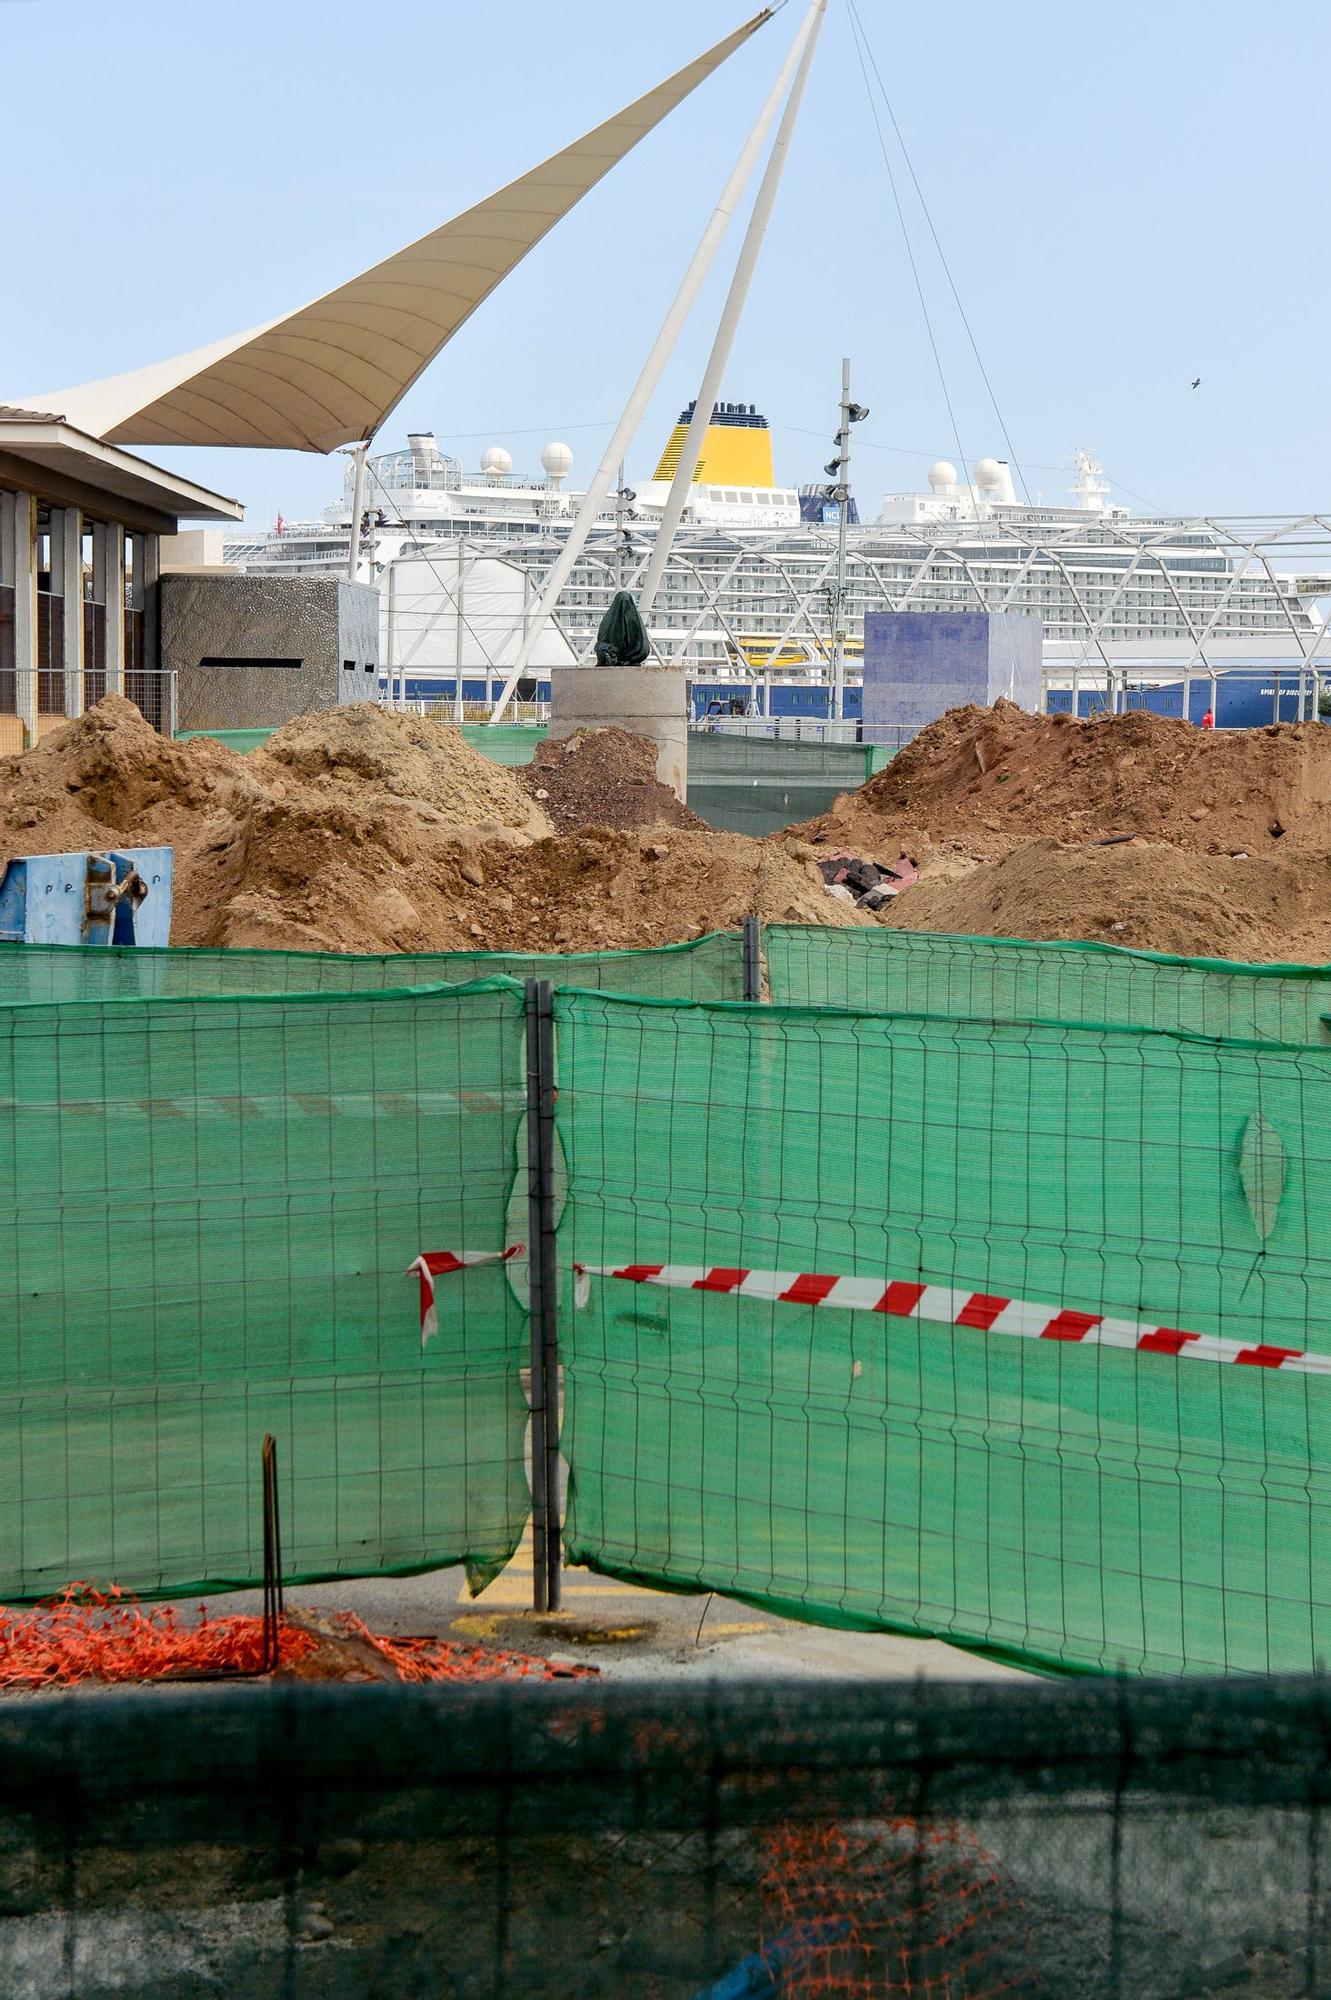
(496, 463)
(988, 472)
(943, 475)
(557, 460)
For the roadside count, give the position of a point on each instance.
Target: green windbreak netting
(1081, 1424)
(1009, 979)
(705, 968)
(709, 967)
(207, 1211)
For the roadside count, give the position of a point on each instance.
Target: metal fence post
(544, 1294)
(753, 959)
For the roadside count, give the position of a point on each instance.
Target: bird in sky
(1196, 381)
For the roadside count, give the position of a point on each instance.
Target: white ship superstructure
(748, 590)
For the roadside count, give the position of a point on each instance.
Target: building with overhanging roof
(80, 528)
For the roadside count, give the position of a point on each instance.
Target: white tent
(331, 372)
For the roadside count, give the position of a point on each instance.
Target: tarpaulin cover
(1011, 979)
(621, 636)
(207, 1210)
(1066, 1503)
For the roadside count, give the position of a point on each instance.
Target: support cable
(863, 38)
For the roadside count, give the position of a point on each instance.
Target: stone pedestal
(648, 701)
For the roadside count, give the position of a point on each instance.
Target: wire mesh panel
(1015, 1334)
(832, 1838)
(207, 1211)
(1011, 979)
(705, 968)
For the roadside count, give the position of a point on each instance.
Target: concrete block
(918, 664)
(251, 652)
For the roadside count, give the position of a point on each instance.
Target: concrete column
(113, 587)
(21, 564)
(148, 549)
(67, 557)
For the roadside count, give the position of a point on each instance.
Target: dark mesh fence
(833, 1839)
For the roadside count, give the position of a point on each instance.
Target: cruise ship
(747, 603)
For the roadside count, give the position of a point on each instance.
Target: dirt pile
(89, 783)
(1140, 893)
(362, 751)
(990, 777)
(357, 830)
(621, 890)
(603, 777)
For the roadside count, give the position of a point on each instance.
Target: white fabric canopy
(330, 373)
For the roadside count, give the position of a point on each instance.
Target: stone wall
(251, 652)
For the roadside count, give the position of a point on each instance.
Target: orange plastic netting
(101, 1635)
(906, 1908)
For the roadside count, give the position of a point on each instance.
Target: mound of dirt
(994, 776)
(1138, 893)
(356, 830)
(363, 749)
(94, 781)
(618, 890)
(603, 777)
(286, 880)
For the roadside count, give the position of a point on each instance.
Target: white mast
(843, 522)
(358, 452)
(645, 387)
(677, 499)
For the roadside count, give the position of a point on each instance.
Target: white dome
(496, 463)
(942, 475)
(557, 460)
(988, 472)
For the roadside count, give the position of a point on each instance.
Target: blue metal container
(114, 898)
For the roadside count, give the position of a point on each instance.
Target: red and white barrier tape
(432, 1264)
(983, 1311)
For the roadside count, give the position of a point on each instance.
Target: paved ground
(627, 1632)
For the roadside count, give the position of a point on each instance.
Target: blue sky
(1128, 196)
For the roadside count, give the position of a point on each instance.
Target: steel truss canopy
(995, 566)
(329, 373)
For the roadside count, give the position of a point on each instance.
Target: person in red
(1208, 720)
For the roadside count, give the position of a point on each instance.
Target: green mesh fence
(1009, 979)
(502, 743)
(986, 1453)
(208, 1213)
(829, 1840)
(505, 743)
(705, 968)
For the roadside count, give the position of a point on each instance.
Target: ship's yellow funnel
(736, 451)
